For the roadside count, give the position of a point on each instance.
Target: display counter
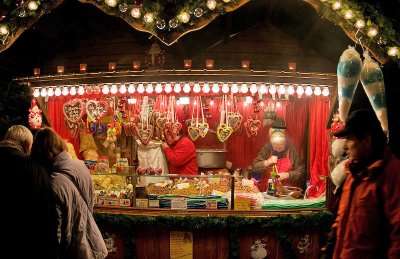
(132, 232)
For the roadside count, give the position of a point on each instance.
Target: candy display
(102, 165)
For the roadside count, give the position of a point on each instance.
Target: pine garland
(278, 225)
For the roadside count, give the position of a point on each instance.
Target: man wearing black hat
(368, 220)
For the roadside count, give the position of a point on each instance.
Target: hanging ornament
(161, 24)
(35, 116)
(173, 23)
(348, 74)
(123, 7)
(252, 126)
(198, 12)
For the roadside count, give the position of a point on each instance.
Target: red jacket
(368, 220)
(182, 158)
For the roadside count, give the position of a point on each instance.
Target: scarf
(11, 144)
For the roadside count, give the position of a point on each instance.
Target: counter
(147, 233)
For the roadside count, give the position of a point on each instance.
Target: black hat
(361, 122)
(279, 123)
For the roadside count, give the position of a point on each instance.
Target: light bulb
(348, 14)
(114, 89)
(211, 4)
(372, 32)
(148, 18)
(290, 89)
(184, 17)
(244, 89)
(131, 88)
(57, 92)
(196, 88)
(111, 3)
(282, 89)
(140, 88)
(234, 88)
(215, 88)
(300, 90)
(149, 88)
(3, 30)
(317, 91)
(158, 88)
(131, 100)
(249, 99)
(225, 88)
(336, 5)
(262, 104)
(177, 88)
(272, 89)
(135, 12)
(122, 89)
(263, 89)
(206, 88)
(65, 91)
(32, 5)
(168, 88)
(105, 89)
(253, 88)
(186, 88)
(81, 90)
(393, 51)
(72, 91)
(325, 91)
(278, 104)
(360, 24)
(50, 92)
(211, 102)
(308, 90)
(36, 93)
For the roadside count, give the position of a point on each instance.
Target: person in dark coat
(28, 214)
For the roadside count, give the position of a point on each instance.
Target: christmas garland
(278, 225)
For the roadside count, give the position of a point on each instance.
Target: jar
(102, 165)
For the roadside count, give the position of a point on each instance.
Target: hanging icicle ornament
(35, 116)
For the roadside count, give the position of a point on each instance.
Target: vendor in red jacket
(181, 156)
(280, 153)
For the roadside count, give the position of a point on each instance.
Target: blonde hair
(277, 136)
(20, 134)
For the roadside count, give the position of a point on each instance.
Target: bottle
(273, 172)
(271, 188)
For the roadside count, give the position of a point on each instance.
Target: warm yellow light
(211, 4)
(393, 51)
(148, 18)
(135, 12)
(336, 5)
(348, 14)
(372, 32)
(3, 30)
(111, 3)
(360, 24)
(184, 17)
(33, 6)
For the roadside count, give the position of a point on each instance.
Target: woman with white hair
(280, 153)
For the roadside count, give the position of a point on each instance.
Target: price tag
(212, 205)
(179, 203)
(125, 202)
(215, 180)
(154, 203)
(142, 203)
(242, 204)
(246, 182)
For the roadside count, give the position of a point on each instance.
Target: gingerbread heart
(72, 127)
(235, 120)
(194, 133)
(160, 122)
(203, 128)
(96, 110)
(74, 110)
(224, 132)
(167, 133)
(144, 134)
(175, 128)
(252, 126)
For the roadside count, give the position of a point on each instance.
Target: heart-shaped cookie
(194, 133)
(235, 120)
(203, 128)
(175, 128)
(72, 127)
(224, 132)
(160, 122)
(144, 134)
(168, 133)
(96, 110)
(74, 110)
(252, 126)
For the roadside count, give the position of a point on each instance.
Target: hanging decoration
(73, 111)
(35, 116)
(234, 117)
(224, 130)
(348, 73)
(252, 125)
(203, 125)
(269, 114)
(144, 130)
(193, 129)
(374, 87)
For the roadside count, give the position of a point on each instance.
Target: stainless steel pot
(211, 158)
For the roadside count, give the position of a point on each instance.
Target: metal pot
(211, 158)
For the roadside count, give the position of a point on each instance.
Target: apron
(283, 165)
